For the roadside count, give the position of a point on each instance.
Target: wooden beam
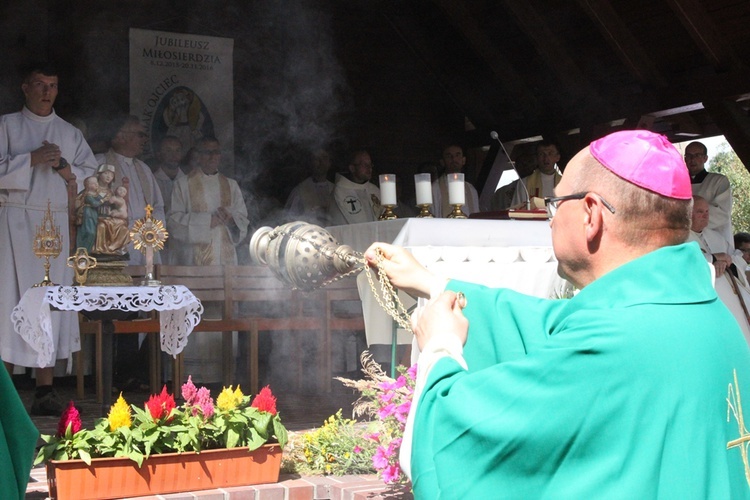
(551, 48)
(623, 42)
(457, 13)
(704, 33)
(734, 123)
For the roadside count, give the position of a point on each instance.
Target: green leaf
(280, 431)
(85, 456)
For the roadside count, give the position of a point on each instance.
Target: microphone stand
(494, 135)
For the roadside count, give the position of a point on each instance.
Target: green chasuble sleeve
(620, 392)
(18, 437)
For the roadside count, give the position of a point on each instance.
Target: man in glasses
(354, 198)
(620, 391)
(712, 187)
(126, 146)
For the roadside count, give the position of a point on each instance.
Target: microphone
(494, 135)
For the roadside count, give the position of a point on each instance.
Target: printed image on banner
(182, 85)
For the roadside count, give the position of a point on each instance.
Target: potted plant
(163, 448)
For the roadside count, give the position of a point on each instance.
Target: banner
(182, 85)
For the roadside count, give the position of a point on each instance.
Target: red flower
(71, 417)
(160, 406)
(265, 401)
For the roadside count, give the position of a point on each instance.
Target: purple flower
(379, 459)
(386, 397)
(390, 474)
(386, 411)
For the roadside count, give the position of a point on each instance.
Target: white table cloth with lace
(179, 311)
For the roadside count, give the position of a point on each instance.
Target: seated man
(713, 245)
(542, 181)
(620, 391)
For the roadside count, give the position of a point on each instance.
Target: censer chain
(389, 302)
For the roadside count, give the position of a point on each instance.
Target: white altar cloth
(180, 311)
(511, 254)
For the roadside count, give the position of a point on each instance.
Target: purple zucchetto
(645, 159)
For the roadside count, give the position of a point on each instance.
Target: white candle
(388, 189)
(423, 185)
(456, 194)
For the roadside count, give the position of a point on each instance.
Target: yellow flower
(119, 414)
(228, 399)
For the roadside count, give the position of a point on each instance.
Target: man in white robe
(207, 220)
(310, 199)
(169, 155)
(127, 144)
(33, 143)
(713, 187)
(355, 198)
(542, 181)
(730, 279)
(453, 162)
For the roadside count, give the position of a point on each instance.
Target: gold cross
(734, 404)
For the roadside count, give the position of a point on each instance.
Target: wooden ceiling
(573, 70)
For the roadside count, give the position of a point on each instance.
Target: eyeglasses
(553, 203)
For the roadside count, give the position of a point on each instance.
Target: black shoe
(48, 405)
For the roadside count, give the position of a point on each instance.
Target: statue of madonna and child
(102, 223)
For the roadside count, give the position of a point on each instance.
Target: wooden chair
(271, 306)
(94, 327)
(209, 285)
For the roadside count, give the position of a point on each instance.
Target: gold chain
(390, 301)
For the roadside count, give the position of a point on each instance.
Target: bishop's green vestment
(619, 392)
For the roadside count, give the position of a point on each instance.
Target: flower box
(163, 473)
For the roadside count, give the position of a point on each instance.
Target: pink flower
(391, 474)
(70, 417)
(379, 459)
(265, 401)
(357, 449)
(412, 371)
(386, 411)
(204, 403)
(375, 436)
(189, 391)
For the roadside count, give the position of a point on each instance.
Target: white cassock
(353, 203)
(737, 299)
(309, 201)
(440, 202)
(194, 198)
(143, 190)
(166, 185)
(24, 193)
(715, 189)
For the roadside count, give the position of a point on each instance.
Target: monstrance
(148, 236)
(47, 243)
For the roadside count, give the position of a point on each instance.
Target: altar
(512, 254)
